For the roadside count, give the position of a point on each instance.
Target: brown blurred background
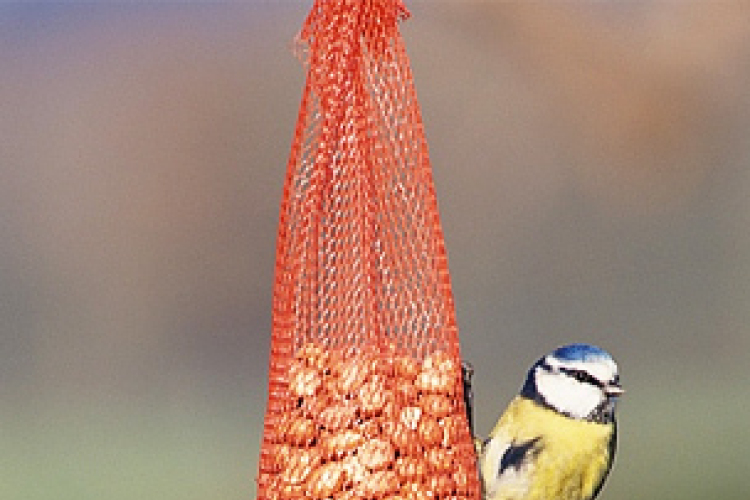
(591, 166)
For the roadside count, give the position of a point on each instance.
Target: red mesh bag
(365, 387)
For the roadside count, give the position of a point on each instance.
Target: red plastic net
(365, 393)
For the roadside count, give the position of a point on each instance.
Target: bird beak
(614, 390)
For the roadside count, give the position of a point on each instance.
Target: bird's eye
(584, 377)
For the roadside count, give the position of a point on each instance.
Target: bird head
(577, 380)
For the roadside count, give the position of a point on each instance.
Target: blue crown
(580, 352)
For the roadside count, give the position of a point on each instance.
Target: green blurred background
(591, 166)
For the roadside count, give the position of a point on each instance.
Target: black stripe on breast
(611, 448)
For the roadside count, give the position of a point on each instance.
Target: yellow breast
(573, 459)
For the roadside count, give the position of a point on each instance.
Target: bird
(556, 440)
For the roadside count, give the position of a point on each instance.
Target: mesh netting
(365, 393)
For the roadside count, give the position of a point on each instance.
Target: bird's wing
(519, 454)
(508, 464)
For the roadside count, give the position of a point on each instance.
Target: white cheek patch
(567, 394)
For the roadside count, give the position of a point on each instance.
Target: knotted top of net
(361, 256)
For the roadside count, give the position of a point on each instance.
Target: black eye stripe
(579, 375)
(582, 376)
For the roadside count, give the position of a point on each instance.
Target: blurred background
(590, 161)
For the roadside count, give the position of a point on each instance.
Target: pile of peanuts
(370, 426)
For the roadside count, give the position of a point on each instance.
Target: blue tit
(556, 440)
